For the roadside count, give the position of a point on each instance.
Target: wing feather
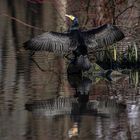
(52, 42)
(102, 36)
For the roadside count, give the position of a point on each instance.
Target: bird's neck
(75, 26)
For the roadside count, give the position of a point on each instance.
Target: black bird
(76, 41)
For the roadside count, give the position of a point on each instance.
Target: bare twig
(38, 65)
(124, 11)
(21, 22)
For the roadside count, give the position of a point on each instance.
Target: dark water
(38, 104)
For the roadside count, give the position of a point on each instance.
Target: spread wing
(104, 35)
(52, 42)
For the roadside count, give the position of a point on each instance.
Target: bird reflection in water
(77, 106)
(65, 105)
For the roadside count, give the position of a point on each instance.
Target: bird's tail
(83, 62)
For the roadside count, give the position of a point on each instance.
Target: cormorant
(76, 41)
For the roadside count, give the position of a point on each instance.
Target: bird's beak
(70, 16)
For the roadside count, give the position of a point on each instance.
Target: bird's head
(74, 20)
